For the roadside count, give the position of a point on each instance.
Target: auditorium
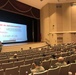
(37, 37)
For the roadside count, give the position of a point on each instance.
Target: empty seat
(46, 64)
(64, 70)
(4, 61)
(21, 58)
(46, 58)
(53, 71)
(7, 65)
(1, 72)
(63, 54)
(73, 68)
(3, 58)
(29, 57)
(12, 71)
(28, 61)
(24, 69)
(18, 63)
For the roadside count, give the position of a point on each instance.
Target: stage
(18, 46)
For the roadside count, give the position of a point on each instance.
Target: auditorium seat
(73, 68)
(73, 58)
(42, 73)
(24, 69)
(46, 57)
(7, 65)
(18, 63)
(64, 70)
(29, 57)
(53, 71)
(12, 71)
(2, 72)
(37, 58)
(21, 58)
(58, 55)
(28, 61)
(46, 64)
(67, 59)
(36, 55)
(64, 54)
(4, 61)
(53, 61)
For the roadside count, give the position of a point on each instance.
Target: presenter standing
(0, 46)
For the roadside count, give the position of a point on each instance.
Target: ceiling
(40, 3)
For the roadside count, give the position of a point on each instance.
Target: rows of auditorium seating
(20, 65)
(63, 70)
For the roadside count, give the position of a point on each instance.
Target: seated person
(61, 62)
(30, 47)
(43, 54)
(53, 56)
(14, 56)
(38, 67)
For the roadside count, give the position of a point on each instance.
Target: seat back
(4, 61)
(28, 61)
(42, 73)
(24, 69)
(67, 59)
(54, 71)
(46, 64)
(18, 63)
(7, 65)
(53, 61)
(73, 68)
(73, 57)
(12, 71)
(21, 58)
(1, 72)
(46, 57)
(64, 70)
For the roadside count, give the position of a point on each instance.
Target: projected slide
(12, 32)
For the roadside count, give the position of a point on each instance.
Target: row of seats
(29, 54)
(16, 70)
(48, 61)
(45, 63)
(69, 69)
(63, 70)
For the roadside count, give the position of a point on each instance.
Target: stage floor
(18, 46)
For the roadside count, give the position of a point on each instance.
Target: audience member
(61, 62)
(53, 56)
(43, 54)
(38, 67)
(30, 47)
(21, 49)
(14, 56)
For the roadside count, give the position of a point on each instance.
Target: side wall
(58, 23)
